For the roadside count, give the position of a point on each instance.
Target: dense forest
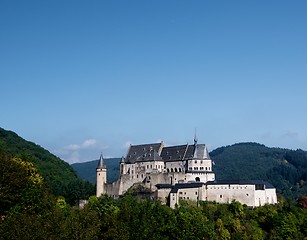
(57, 175)
(31, 208)
(285, 169)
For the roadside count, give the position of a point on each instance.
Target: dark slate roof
(174, 153)
(185, 152)
(156, 152)
(101, 163)
(241, 182)
(144, 152)
(201, 152)
(178, 186)
(161, 186)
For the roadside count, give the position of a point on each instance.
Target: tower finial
(195, 137)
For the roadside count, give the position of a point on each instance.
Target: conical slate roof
(101, 163)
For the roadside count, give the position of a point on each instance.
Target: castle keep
(182, 172)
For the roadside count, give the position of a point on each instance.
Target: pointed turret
(101, 162)
(101, 177)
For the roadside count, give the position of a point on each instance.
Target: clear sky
(84, 77)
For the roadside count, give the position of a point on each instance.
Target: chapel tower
(101, 177)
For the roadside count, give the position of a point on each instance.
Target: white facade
(181, 172)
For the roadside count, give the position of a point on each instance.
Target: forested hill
(285, 169)
(58, 174)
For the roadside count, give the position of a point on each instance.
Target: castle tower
(101, 177)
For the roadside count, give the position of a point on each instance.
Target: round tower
(101, 177)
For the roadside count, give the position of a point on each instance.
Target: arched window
(179, 169)
(167, 170)
(197, 179)
(175, 169)
(172, 170)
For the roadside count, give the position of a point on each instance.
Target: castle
(182, 172)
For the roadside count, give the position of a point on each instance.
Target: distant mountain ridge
(87, 170)
(284, 168)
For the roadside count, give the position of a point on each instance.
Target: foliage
(131, 218)
(285, 169)
(57, 174)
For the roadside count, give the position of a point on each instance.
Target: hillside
(285, 169)
(57, 174)
(87, 170)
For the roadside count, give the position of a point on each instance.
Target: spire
(195, 138)
(100, 162)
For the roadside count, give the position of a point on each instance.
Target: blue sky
(84, 77)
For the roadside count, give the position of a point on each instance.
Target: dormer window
(144, 149)
(134, 153)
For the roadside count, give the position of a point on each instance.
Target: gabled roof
(174, 153)
(185, 152)
(144, 152)
(201, 152)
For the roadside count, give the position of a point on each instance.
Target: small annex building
(182, 172)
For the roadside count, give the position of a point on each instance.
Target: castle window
(195, 193)
(179, 169)
(195, 168)
(180, 192)
(137, 176)
(134, 153)
(188, 198)
(221, 196)
(195, 161)
(147, 166)
(144, 149)
(190, 168)
(206, 168)
(246, 194)
(150, 166)
(201, 161)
